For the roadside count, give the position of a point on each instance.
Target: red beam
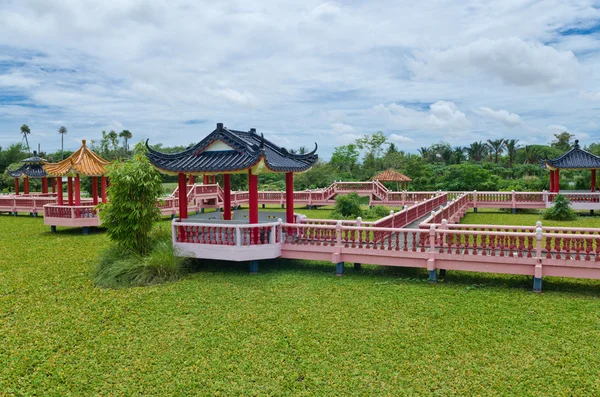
(227, 197)
(183, 205)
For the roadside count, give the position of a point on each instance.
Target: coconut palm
(62, 131)
(476, 151)
(126, 135)
(113, 137)
(425, 153)
(496, 147)
(26, 131)
(511, 150)
(458, 155)
(531, 154)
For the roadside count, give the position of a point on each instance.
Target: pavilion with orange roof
(391, 175)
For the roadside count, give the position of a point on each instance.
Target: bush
(123, 268)
(377, 212)
(347, 206)
(131, 211)
(560, 211)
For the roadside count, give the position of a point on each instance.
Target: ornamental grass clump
(560, 211)
(138, 256)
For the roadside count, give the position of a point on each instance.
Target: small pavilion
(32, 168)
(225, 151)
(82, 162)
(391, 175)
(574, 159)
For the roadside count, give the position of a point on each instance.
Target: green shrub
(131, 211)
(560, 211)
(347, 206)
(377, 212)
(122, 268)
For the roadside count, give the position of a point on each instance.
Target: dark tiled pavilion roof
(32, 168)
(246, 150)
(576, 158)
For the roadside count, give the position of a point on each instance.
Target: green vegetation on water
(293, 329)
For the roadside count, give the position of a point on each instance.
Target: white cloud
(17, 80)
(341, 128)
(589, 95)
(395, 138)
(325, 12)
(502, 116)
(511, 59)
(442, 115)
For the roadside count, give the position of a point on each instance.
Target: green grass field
(496, 217)
(293, 329)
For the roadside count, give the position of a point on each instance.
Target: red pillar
(95, 190)
(53, 182)
(205, 179)
(70, 190)
(77, 190)
(551, 181)
(289, 197)
(214, 179)
(44, 184)
(227, 197)
(557, 181)
(103, 182)
(17, 186)
(59, 190)
(26, 185)
(253, 202)
(593, 187)
(183, 205)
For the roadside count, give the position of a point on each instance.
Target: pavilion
(32, 168)
(574, 159)
(391, 175)
(82, 162)
(225, 151)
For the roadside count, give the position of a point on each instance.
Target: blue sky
(300, 71)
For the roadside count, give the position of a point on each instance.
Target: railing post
(173, 232)
(474, 200)
(238, 236)
(272, 238)
(280, 221)
(432, 255)
(537, 276)
(514, 203)
(338, 233)
(392, 215)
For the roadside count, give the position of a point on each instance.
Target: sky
(300, 71)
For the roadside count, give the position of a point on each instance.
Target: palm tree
(425, 153)
(114, 140)
(62, 131)
(476, 151)
(531, 154)
(458, 154)
(126, 135)
(496, 147)
(511, 150)
(26, 131)
(446, 155)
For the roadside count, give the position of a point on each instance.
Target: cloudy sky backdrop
(300, 71)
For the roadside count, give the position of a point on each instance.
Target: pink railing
(226, 234)
(409, 215)
(69, 211)
(493, 197)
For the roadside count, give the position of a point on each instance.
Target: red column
(17, 186)
(44, 184)
(593, 188)
(70, 190)
(59, 190)
(214, 179)
(253, 202)
(77, 190)
(551, 181)
(205, 179)
(192, 180)
(227, 197)
(183, 205)
(557, 181)
(26, 185)
(95, 190)
(53, 181)
(289, 197)
(103, 182)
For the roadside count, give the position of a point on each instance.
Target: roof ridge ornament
(576, 145)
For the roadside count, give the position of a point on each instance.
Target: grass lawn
(496, 217)
(293, 329)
